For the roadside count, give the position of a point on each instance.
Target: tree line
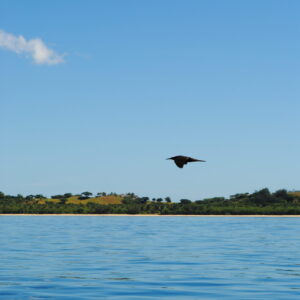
(259, 202)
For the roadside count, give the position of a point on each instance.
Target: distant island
(261, 202)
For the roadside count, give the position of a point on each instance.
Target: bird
(181, 160)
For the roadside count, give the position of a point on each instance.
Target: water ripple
(55, 257)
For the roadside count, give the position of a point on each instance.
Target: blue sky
(130, 83)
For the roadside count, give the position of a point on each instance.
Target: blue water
(94, 257)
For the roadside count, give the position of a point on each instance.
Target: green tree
(143, 200)
(185, 201)
(283, 195)
(68, 195)
(57, 196)
(168, 200)
(261, 197)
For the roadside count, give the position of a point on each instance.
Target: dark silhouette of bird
(181, 160)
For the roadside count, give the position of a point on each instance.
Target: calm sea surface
(94, 257)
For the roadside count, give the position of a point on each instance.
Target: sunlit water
(94, 257)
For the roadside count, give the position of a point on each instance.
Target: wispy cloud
(35, 48)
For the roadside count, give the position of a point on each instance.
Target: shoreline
(150, 215)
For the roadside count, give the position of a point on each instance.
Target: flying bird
(181, 160)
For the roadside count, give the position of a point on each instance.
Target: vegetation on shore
(261, 202)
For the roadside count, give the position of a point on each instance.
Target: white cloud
(35, 48)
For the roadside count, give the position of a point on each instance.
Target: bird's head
(172, 157)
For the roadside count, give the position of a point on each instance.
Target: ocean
(136, 257)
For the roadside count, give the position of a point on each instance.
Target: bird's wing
(190, 159)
